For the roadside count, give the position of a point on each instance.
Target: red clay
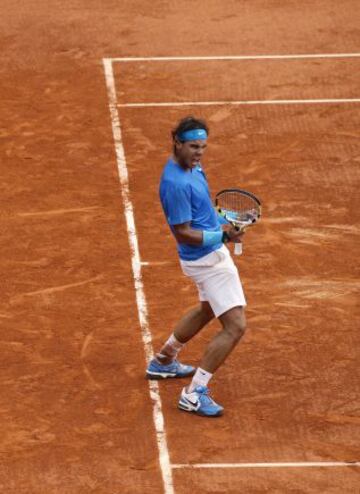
(75, 411)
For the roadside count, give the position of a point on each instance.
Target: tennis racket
(240, 208)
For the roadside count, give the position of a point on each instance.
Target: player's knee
(238, 327)
(240, 330)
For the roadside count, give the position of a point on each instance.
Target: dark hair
(188, 123)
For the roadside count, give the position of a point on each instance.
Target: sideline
(158, 416)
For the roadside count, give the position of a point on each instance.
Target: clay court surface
(76, 414)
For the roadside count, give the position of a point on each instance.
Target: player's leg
(195, 397)
(233, 327)
(188, 326)
(165, 363)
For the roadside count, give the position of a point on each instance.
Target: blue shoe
(199, 402)
(156, 370)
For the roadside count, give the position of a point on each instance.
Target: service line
(158, 416)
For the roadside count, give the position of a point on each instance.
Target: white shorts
(217, 280)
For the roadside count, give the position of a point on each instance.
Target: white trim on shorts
(217, 280)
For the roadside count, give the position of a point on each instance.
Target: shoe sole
(196, 412)
(159, 376)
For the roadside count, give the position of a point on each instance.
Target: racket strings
(239, 206)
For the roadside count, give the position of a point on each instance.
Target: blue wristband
(211, 238)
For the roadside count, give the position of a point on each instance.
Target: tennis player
(200, 237)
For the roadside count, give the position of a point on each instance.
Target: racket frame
(243, 192)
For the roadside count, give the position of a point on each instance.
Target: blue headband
(193, 135)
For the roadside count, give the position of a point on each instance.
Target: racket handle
(238, 249)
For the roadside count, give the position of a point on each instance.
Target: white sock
(170, 349)
(201, 378)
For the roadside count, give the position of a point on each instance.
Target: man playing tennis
(200, 237)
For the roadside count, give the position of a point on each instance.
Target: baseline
(303, 464)
(236, 57)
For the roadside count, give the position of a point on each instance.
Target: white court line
(241, 102)
(303, 464)
(158, 416)
(236, 57)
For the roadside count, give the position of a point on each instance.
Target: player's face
(189, 153)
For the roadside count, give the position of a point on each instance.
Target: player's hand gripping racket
(240, 208)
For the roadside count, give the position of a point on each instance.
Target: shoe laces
(166, 365)
(205, 395)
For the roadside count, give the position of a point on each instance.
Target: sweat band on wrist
(211, 238)
(193, 135)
